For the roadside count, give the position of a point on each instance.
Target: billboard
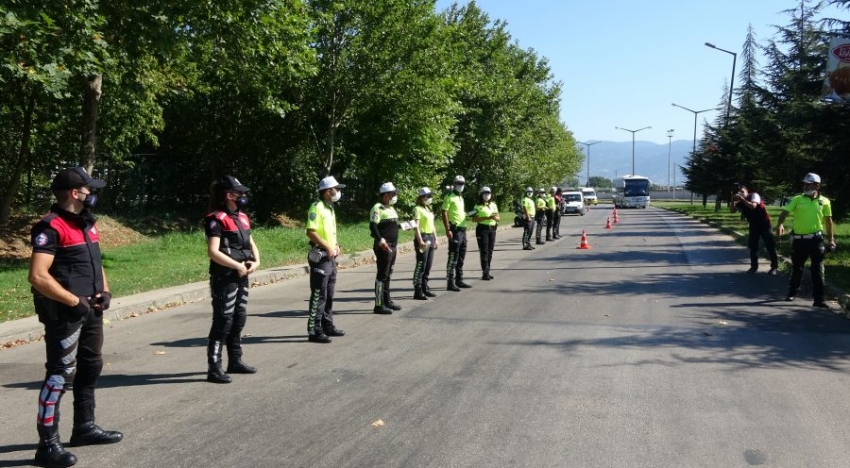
(836, 84)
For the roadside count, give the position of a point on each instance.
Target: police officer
(425, 243)
(540, 206)
(559, 206)
(752, 207)
(486, 214)
(528, 212)
(550, 213)
(233, 256)
(324, 250)
(70, 293)
(812, 219)
(454, 221)
(383, 225)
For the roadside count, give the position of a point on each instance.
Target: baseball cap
(74, 178)
(529, 189)
(460, 180)
(424, 191)
(542, 190)
(232, 183)
(811, 178)
(329, 182)
(387, 187)
(484, 189)
(553, 189)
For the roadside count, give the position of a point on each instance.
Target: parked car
(573, 203)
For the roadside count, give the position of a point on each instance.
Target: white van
(589, 195)
(573, 203)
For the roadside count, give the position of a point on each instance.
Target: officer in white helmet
(383, 225)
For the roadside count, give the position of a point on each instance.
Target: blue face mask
(242, 202)
(90, 201)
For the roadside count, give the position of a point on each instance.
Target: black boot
(427, 289)
(380, 307)
(451, 286)
(388, 300)
(419, 294)
(90, 433)
(216, 375)
(461, 284)
(50, 452)
(236, 366)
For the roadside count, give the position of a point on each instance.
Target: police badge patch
(40, 240)
(313, 216)
(213, 224)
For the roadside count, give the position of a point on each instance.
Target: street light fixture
(732, 81)
(588, 145)
(695, 121)
(633, 143)
(669, 156)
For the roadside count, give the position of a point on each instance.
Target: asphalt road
(652, 349)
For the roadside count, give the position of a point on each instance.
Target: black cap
(74, 178)
(232, 183)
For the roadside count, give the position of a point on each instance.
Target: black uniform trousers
(527, 230)
(556, 220)
(74, 360)
(457, 253)
(801, 250)
(550, 223)
(486, 237)
(322, 284)
(230, 310)
(538, 219)
(765, 233)
(385, 262)
(424, 261)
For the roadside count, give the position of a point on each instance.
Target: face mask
(810, 193)
(90, 201)
(393, 200)
(335, 197)
(242, 202)
(459, 188)
(528, 194)
(486, 197)
(427, 201)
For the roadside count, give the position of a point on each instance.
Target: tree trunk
(91, 100)
(23, 156)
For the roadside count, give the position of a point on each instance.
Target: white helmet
(386, 188)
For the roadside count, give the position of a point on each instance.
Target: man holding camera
(752, 208)
(812, 216)
(70, 293)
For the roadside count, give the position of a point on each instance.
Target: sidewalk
(22, 331)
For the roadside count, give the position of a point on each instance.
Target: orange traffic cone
(616, 218)
(608, 223)
(584, 245)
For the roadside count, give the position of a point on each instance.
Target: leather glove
(103, 301)
(82, 309)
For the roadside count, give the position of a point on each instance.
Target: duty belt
(455, 227)
(807, 236)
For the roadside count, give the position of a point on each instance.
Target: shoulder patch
(312, 216)
(40, 240)
(213, 224)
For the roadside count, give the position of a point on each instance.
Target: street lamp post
(695, 121)
(669, 156)
(633, 143)
(588, 145)
(732, 81)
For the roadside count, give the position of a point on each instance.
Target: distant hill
(610, 159)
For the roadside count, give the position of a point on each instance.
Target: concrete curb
(841, 297)
(22, 331)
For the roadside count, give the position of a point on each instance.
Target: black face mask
(90, 201)
(242, 202)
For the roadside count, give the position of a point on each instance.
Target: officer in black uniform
(233, 256)
(383, 226)
(70, 293)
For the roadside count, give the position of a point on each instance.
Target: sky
(623, 62)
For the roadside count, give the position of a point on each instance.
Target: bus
(631, 191)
